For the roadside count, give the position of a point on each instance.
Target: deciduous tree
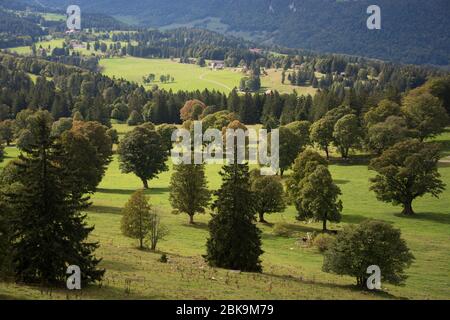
(371, 243)
(322, 134)
(347, 134)
(7, 131)
(137, 216)
(425, 114)
(269, 195)
(142, 152)
(318, 198)
(189, 189)
(406, 171)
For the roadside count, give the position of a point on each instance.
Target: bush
(135, 119)
(163, 258)
(370, 243)
(114, 135)
(282, 230)
(323, 241)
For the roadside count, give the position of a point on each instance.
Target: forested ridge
(413, 31)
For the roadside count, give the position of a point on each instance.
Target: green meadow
(291, 269)
(53, 16)
(46, 44)
(187, 76)
(191, 77)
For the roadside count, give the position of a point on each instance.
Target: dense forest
(414, 31)
(17, 31)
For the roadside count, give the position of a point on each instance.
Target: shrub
(163, 258)
(323, 241)
(135, 119)
(282, 230)
(370, 243)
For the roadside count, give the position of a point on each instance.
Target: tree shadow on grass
(130, 191)
(353, 218)
(445, 146)
(104, 209)
(115, 191)
(352, 160)
(158, 190)
(428, 216)
(444, 164)
(197, 225)
(341, 181)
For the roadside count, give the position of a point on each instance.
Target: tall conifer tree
(234, 240)
(49, 232)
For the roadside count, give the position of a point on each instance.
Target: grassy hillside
(291, 270)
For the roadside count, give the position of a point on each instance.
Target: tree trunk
(407, 208)
(191, 219)
(261, 217)
(324, 225)
(141, 244)
(281, 173)
(328, 153)
(145, 183)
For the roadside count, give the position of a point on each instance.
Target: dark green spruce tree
(234, 240)
(49, 231)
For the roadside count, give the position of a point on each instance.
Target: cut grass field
(291, 271)
(273, 81)
(46, 44)
(191, 77)
(187, 76)
(53, 16)
(49, 45)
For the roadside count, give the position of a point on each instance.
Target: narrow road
(202, 77)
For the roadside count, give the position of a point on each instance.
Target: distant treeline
(18, 31)
(99, 98)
